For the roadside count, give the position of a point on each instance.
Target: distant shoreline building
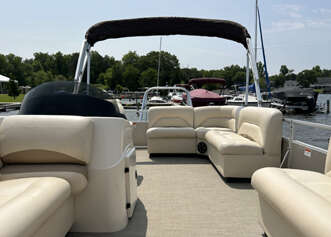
(323, 84)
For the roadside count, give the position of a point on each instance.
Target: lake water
(314, 136)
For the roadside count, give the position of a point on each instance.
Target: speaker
(202, 147)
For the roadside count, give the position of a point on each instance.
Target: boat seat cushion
(216, 116)
(228, 143)
(170, 133)
(170, 116)
(45, 139)
(301, 199)
(76, 175)
(264, 126)
(201, 131)
(27, 204)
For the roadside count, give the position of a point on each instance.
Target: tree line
(134, 71)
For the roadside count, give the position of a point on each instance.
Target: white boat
(177, 98)
(241, 100)
(69, 161)
(157, 100)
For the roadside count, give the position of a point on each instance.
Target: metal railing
(292, 140)
(145, 98)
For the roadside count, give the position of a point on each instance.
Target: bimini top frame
(165, 26)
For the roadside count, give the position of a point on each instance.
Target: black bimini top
(167, 26)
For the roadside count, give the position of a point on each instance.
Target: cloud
(295, 17)
(289, 10)
(322, 11)
(319, 23)
(284, 25)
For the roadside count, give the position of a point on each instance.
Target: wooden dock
(4, 107)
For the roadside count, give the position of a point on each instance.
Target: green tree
(131, 58)
(13, 90)
(113, 76)
(131, 77)
(118, 89)
(306, 77)
(60, 78)
(284, 71)
(148, 78)
(40, 77)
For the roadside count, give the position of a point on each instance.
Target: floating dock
(9, 106)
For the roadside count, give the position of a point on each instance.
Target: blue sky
(296, 32)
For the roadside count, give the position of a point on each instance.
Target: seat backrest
(170, 116)
(216, 116)
(262, 125)
(45, 139)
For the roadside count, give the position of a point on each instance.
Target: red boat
(203, 97)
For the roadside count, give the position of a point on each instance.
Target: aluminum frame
(144, 103)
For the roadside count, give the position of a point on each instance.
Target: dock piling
(328, 106)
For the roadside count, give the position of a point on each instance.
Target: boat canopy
(167, 26)
(202, 81)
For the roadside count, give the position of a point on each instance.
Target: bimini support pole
(81, 59)
(247, 80)
(88, 67)
(255, 73)
(88, 70)
(81, 63)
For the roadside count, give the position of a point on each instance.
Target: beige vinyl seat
(35, 207)
(256, 144)
(237, 140)
(214, 118)
(44, 168)
(171, 130)
(71, 166)
(294, 202)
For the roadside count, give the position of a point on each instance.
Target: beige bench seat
(35, 207)
(294, 202)
(76, 175)
(228, 143)
(170, 130)
(171, 133)
(201, 132)
(214, 118)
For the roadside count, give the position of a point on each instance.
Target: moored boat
(203, 97)
(295, 100)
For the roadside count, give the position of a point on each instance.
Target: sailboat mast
(158, 68)
(256, 6)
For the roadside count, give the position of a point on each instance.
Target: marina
(150, 145)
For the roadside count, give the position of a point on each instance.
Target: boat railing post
(292, 128)
(289, 152)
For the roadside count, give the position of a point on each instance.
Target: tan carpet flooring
(185, 196)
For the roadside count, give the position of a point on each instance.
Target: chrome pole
(247, 79)
(255, 74)
(159, 64)
(256, 6)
